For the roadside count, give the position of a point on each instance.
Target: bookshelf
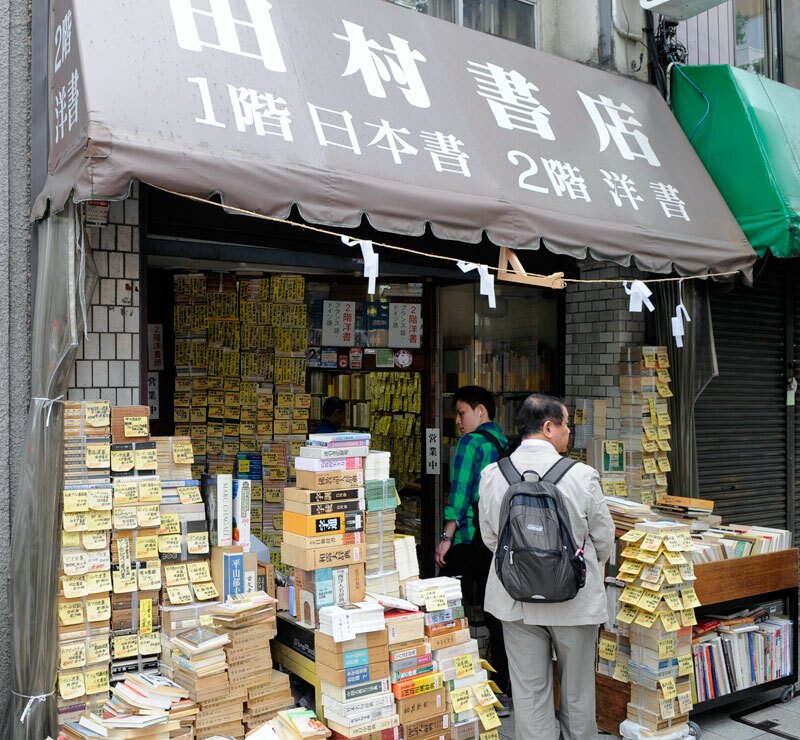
(720, 585)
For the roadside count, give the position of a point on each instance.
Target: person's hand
(441, 552)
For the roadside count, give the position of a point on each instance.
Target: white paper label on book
(169, 543)
(99, 651)
(97, 413)
(197, 543)
(461, 700)
(98, 521)
(148, 516)
(136, 426)
(98, 456)
(126, 646)
(74, 562)
(99, 582)
(149, 579)
(126, 492)
(205, 591)
(342, 626)
(76, 500)
(95, 540)
(150, 644)
(147, 547)
(70, 613)
(75, 586)
(176, 575)
(98, 610)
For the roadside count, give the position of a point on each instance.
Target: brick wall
(107, 364)
(598, 324)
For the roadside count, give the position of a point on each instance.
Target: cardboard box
(323, 524)
(367, 640)
(324, 557)
(405, 626)
(421, 706)
(350, 658)
(315, 589)
(350, 676)
(329, 480)
(427, 727)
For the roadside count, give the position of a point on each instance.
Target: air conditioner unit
(679, 10)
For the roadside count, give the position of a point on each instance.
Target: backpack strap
(509, 471)
(501, 448)
(558, 470)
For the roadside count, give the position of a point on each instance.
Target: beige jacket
(589, 519)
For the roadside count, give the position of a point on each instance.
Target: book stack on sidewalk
(381, 500)
(469, 692)
(84, 603)
(657, 614)
(352, 664)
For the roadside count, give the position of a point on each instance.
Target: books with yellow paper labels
(419, 685)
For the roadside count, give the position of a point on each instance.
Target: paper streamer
(487, 280)
(677, 320)
(640, 295)
(371, 260)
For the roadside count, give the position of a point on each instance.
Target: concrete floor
(717, 724)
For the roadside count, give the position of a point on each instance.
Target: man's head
(333, 411)
(473, 406)
(544, 417)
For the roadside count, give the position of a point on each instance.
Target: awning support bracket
(517, 273)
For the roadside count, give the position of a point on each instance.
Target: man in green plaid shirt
(459, 552)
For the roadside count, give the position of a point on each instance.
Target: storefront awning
(748, 136)
(360, 107)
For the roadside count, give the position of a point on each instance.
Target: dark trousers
(472, 564)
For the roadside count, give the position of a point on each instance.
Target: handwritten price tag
(465, 666)
(435, 600)
(461, 700)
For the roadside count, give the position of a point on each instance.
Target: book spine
(225, 510)
(396, 676)
(444, 615)
(729, 667)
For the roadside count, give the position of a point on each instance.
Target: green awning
(748, 137)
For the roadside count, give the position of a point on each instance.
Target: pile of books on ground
(739, 649)
(145, 707)
(292, 724)
(656, 614)
(352, 664)
(460, 674)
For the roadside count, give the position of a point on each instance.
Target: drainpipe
(637, 37)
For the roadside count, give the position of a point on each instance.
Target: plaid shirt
(473, 453)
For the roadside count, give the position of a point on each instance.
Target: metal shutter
(741, 417)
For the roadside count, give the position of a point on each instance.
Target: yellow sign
(70, 613)
(98, 610)
(627, 614)
(149, 578)
(632, 535)
(71, 655)
(71, 685)
(98, 413)
(169, 543)
(170, 524)
(126, 646)
(607, 650)
(461, 700)
(621, 672)
(150, 644)
(146, 459)
(483, 694)
(150, 490)
(182, 453)
(176, 575)
(197, 543)
(126, 492)
(179, 594)
(690, 600)
(98, 456)
(136, 426)
(688, 618)
(205, 591)
(465, 665)
(145, 616)
(190, 495)
(668, 690)
(685, 665)
(488, 717)
(148, 516)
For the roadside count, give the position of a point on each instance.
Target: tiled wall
(107, 365)
(598, 325)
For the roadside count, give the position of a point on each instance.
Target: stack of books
(141, 706)
(405, 556)
(353, 673)
(644, 423)
(198, 662)
(275, 471)
(739, 649)
(345, 622)
(299, 724)
(175, 458)
(415, 590)
(626, 513)
(84, 603)
(698, 513)
(381, 500)
(738, 541)
(656, 617)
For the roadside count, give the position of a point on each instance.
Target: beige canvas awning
(359, 107)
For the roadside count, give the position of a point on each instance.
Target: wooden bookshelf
(756, 578)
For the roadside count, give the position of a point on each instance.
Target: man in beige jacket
(534, 631)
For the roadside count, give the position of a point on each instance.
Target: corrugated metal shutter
(741, 417)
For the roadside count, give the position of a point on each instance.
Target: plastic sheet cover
(65, 281)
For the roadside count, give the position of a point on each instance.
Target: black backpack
(536, 559)
(503, 451)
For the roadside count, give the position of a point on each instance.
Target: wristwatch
(446, 537)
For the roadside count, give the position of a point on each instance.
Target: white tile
(136, 294)
(124, 234)
(116, 373)
(116, 212)
(132, 266)
(99, 318)
(135, 239)
(108, 238)
(83, 374)
(131, 211)
(116, 319)
(124, 292)
(75, 394)
(100, 372)
(135, 347)
(108, 291)
(132, 320)
(109, 394)
(123, 346)
(93, 234)
(71, 380)
(108, 346)
(116, 265)
(101, 263)
(134, 396)
(91, 346)
(124, 397)
(92, 394)
(132, 374)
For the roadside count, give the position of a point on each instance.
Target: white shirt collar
(537, 443)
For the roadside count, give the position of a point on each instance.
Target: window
(514, 20)
(754, 27)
